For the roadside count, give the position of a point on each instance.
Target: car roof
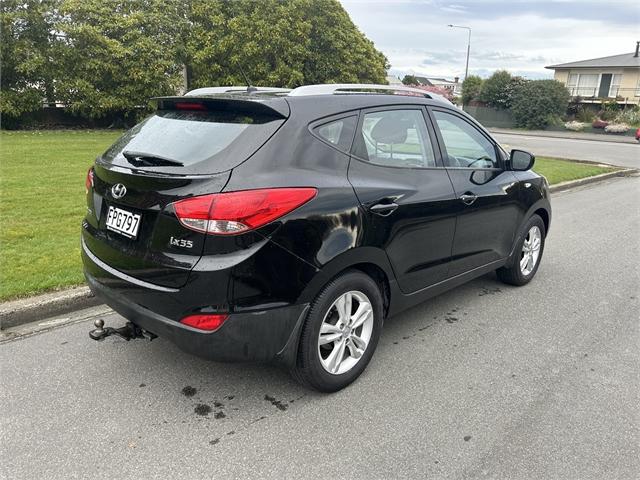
(316, 101)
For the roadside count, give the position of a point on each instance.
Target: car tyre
(528, 254)
(322, 333)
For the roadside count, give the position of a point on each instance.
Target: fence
(490, 117)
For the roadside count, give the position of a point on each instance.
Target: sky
(520, 36)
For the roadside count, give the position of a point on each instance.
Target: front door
(605, 85)
(408, 199)
(488, 209)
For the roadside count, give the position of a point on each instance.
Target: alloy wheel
(345, 332)
(530, 250)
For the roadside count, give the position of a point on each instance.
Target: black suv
(277, 225)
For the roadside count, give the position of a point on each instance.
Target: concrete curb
(625, 139)
(559, 187)
(26, 310)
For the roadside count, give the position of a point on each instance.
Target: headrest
(390, 129)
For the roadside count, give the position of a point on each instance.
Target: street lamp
(466, 68)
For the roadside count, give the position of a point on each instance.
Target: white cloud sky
(520, 36)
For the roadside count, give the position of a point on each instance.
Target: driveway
(622, 154)
(487, 381)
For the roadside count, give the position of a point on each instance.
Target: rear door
(487, 206)
(405, 193)
(186, 149)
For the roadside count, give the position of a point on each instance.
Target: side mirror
(521, 161)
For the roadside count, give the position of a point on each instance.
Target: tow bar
(129, 331)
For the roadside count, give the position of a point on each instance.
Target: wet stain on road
(276, 403)
(202, 409)
(489, 291)
(467, 438)
(189, 391)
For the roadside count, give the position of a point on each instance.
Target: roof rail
(234, 89)
(362, 88)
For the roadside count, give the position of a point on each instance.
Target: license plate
(123, 222)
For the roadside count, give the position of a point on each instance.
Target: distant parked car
(638, 134)
(276, 225)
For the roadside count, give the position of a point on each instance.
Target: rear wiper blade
(140, 159)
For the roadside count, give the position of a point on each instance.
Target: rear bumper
(258, 336)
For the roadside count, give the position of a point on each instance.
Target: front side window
(465, 146)
(395, 138)
(614, 88)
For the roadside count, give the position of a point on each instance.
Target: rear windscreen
(195, 142)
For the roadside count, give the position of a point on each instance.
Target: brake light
(88, 182)
(190, 106)
(205, 321)
(238, 212)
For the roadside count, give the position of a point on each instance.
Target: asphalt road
(622, 154)
(487, 381)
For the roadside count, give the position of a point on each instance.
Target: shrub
(608, 110)
(597, 123)
(574, 126)
(471, 88)
(494, 89)
(630, 116)
(585, 114)
(537, 101)
(617, 128)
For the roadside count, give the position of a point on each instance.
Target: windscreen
(200, 142)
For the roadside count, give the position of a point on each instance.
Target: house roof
(623, 60)
(429, 80)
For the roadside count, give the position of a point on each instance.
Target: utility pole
(466, 68)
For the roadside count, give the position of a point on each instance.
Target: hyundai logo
(118, 190)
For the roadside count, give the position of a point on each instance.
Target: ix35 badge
(178, 242)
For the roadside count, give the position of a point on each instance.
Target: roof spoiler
(275, 107)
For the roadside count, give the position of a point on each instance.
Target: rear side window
(338, 133)
(395, 138)
(193, 141)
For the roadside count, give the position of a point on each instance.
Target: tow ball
(129, 331)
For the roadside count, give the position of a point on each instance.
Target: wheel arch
(371, 261)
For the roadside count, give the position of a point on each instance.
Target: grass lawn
(42, 204)
(557, 170)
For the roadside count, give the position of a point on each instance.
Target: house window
(638, 88)
(587, 85)
(615, 85)
(572, 84)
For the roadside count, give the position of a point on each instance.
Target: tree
(101, 58)
(494, 89)
(338, 52)
(27, 43)
(536, 102)
(118, 54)
(443, 92)
(471, 88)
(284, 44)
(410, 80)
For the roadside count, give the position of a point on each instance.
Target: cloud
(520, 36)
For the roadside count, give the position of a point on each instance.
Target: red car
(638, 134)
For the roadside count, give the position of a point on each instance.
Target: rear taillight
(88, 182)
(205, 321)
(238, 212)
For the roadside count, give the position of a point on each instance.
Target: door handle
(468, 198)
(383, 209)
